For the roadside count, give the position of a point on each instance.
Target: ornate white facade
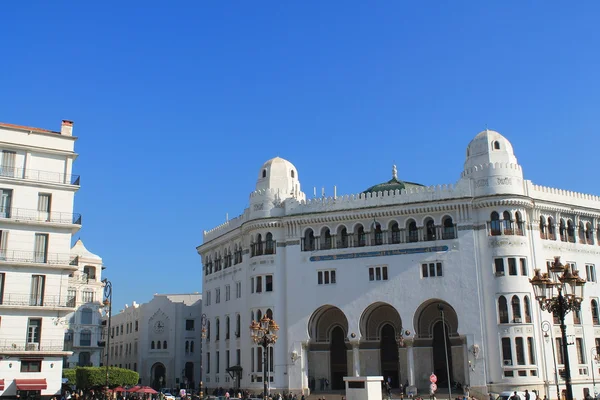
(37, 190)
(355, 281)
(160, 340)
(84, 331)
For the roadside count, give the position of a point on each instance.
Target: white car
(169, 396)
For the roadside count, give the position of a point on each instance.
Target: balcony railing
(39, 176)
(22, 214)
(22, 345)
(19, 299)
(34, 257)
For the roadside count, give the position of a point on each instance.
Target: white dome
(80, 250)
(489, 147)
(279, 174)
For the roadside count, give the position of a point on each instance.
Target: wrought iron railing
(23, 345)
(39, 176)
(22, 214)
(19, 299)
(22, 256)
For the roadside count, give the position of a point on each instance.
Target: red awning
(31, 384)
(1, 384)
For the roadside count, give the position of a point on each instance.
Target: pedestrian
(527, 395)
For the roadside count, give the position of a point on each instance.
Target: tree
(89, 377)
(70, 375)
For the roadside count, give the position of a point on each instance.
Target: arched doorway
(189, 374)
(381, 327)
(159, 376)
(338, 357)
(436, 325)
(327, 350)
(389, 355)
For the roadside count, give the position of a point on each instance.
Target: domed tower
(492, 166)
(277, 181)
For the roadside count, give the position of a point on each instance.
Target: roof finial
(394, 172)
(486, 129)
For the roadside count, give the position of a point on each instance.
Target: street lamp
(548, 338)
(264, 333)
(441, 309)
(107, 304)
(595, 359)
(559, 295)
(202, 336)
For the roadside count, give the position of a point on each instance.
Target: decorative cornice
(524, 202)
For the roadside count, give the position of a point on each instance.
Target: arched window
(308, 241)
(519, 224)
(562, 230)
(551, 230)
(152, 345)
(503, 310)
(238, 319)
(377, 235)
(571, 231)
(270, 313)
(542, 227)
(227, 327)
(258, 315)
(413, 231)
(217, 328)
(325, 239)
(516, 309)
(187, 346)
(270, 244)
(359, 236)
(577, 316)
(342, 237)
(448, 232)
(581, 232)
(595, 316)
(191, 346)
(292, 174)
(165, 344)
(589, 237)
(507, 221)
(207, 331)
(395, 233)
(264, 174)
(158, 345)
(430, 230)
(495, 224)
(496, 145)
(527, 307)
(86, 316)
(252, 316)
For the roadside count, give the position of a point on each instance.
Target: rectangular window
(577, 317)
(217, 295)
(269, 283)
(332, 275)
(559, 351)
(38, 283)
(271, 359)
(531, 350)
(121, 330)
(251, 285)
(506, 351)
(136, 326)
(238, 290)
(371, 274)
(3, 244)
(259, 357)
(85, 338)
(252, 359)
(7, 167)
(43, 208)
(580, 350)
(238, 356)
(2, 277)
(34, 330)
(499, 266)
(520, 351)
(31, 365)
(227, 359)
(41, 248)
(590, 272)
(432, 270)
(259, 284)
(5, 203)
(378, 273)
(320, 277)
(512, 266)
(208, 363)
(189, 324)
(87, 296)
(326, 277)
(227, 292)
(523, 262)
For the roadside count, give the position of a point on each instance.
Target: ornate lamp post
(561, 293)
(107, 306)
(264, 333)
(203, 336)
(595, 359)
(548, 338)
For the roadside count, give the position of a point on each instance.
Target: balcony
(26, 300)
(21, 346)
(55, 217)
(39, 176)
(33, 257)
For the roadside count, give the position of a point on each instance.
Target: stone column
(355, 357)
(411, 361)
(304, 365)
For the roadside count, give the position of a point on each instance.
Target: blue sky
(178, 104)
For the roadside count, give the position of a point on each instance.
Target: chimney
(66, 128)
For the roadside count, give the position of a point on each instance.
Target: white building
(84, 330)
(160, 340)
(37, 189)
(355, 281)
